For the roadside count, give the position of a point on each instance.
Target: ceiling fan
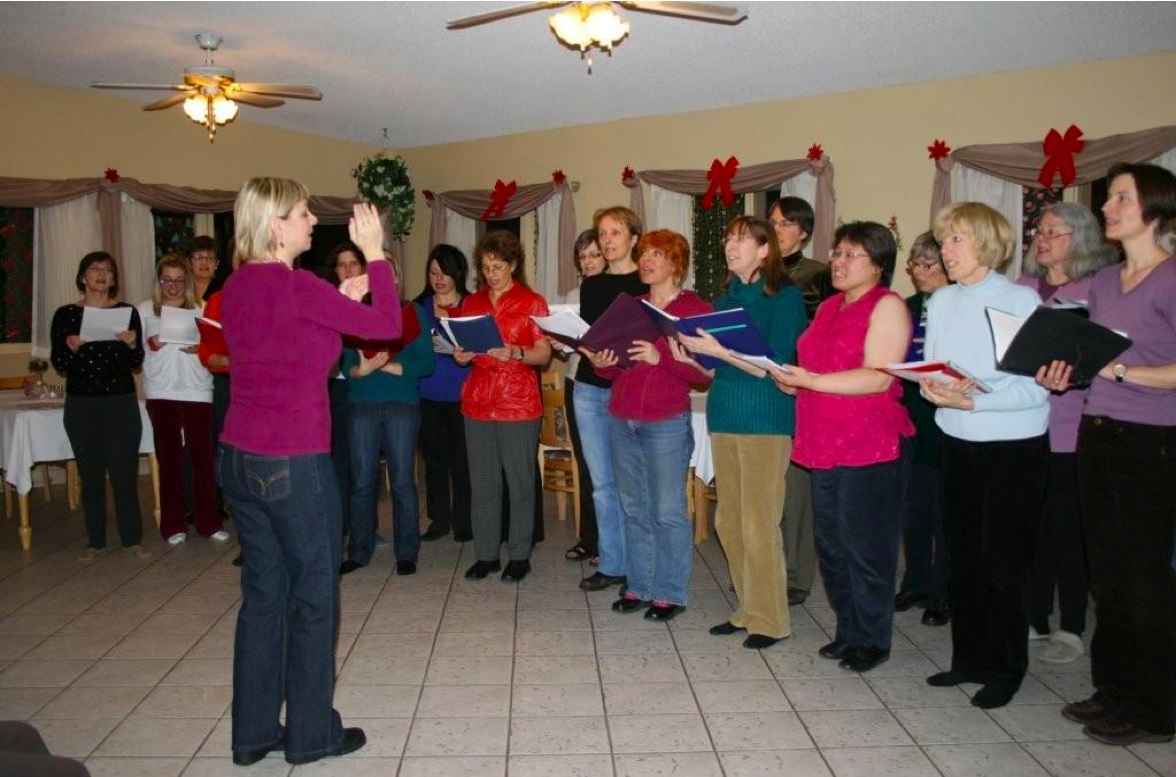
(588, 25)
(210, 93)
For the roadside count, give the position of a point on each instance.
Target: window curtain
(974, 186)
(65, 233)
(462, 233)
(749, 179)
(138, 251)
(1167, 160)
(547, 249)
(674, 211)
(472, 204)
(803, 186)
(204, 224)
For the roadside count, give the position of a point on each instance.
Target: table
(33, 431)
(702, 467)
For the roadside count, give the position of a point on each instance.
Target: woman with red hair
(651, 438)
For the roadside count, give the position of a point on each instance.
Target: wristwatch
(1120, 372)
(520, 358)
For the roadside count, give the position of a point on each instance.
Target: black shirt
(596, 294)
(101, 368)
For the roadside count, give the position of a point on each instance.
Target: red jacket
(497, 390)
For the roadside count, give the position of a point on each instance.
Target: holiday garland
(384, 183)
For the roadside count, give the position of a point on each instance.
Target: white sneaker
(1063, 648)
(178, 538)
(1035, 635)
(220, 536)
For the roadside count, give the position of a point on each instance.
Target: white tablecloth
(33, 431)
(700, 457)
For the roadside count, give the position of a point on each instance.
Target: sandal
(577, 552)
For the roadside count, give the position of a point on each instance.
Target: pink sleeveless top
(839, 431)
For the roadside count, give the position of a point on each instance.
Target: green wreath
(384, 183)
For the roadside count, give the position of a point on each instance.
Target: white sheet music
(178, 325)
(104, 323)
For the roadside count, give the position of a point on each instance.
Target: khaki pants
(749, 477)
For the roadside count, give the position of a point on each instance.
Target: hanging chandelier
(586, 26)
(211, 110)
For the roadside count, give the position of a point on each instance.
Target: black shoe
(353, 739)
(796, 596)
(948, 679)
(579, 552)
(433, 534)
(239, 560)
(995, 695)
(725, 628)
(462, 536)
(863, 658)
(349, 566)
(660, 612)
(938, 613)
(482, 568)
(405, 567)
(626, 604)
(516, 571)
(250, 757)
(834, 651)
(908, 599)
(1114, 730)
(760, 641)
(601, 581)
(1087, 711)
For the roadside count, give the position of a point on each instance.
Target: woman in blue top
(751, 426)
(442, 438)
(384, 413)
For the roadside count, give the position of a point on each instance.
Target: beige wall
(877, 140)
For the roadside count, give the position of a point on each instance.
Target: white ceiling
(394, 65)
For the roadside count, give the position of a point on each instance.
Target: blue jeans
(391, 426)
(287, 513)
(593, 422)
(858, 523)
(650, 461)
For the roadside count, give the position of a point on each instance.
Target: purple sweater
(282, 328)
(1147, 314)
(1065, 410)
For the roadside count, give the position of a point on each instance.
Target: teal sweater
(739, 403)
(418, 361)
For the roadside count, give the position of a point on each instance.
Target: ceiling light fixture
(585, 26)
(211, 110)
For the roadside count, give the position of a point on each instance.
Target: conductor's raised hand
(367, 231)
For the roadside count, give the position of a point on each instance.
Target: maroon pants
(176, 423)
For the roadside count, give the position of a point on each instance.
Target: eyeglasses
(923, 265)
(783, 223)
(496, 267)
(203, 257)
(98, 270)
(838, 254)
(172, 281)
(1049, 233)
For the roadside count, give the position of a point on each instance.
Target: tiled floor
(127, 664)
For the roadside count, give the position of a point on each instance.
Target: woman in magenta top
(282, 327)
(852, 431)
(1127, 471)
(651, 438)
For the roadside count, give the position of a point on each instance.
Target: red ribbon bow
(1059, 156)
(938, 150)
(111, 175)
(720, 175)
(627, 174)
(815, 152)
(558, 177)
(499, 198)
(429, 196)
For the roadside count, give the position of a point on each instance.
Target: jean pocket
(268, 477)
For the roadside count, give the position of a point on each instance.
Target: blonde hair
(992, 232)
(172, 261)
(258, 202)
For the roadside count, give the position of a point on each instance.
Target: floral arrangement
(38, 366)
(384, 183)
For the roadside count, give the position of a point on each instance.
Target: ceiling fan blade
(175, 87)
(195, 79)
(256, 100)
(294, 91)
(703, 12)
(504, 13)
(166, 102)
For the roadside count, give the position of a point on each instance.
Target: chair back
(553, 429)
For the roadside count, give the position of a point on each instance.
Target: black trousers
(340, 446)
(220, 409)
(1059, 558)
(1127, 481)
(104, 432)
(924, 543)
(588, 535)
(447, 468)
(992, 504)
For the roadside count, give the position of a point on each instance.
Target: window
(16, 275)
(172, 232)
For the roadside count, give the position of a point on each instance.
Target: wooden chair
(557, 457)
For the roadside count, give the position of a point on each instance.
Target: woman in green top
(751, 432)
